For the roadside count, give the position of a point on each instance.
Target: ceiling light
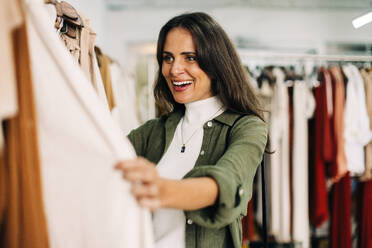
(362, 20)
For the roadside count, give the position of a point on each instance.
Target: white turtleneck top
(169, 224)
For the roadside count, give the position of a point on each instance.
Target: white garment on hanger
(279, 163)
(169, 224)
(100, 88)
(303, 109)
(124, 92)
(86, 201)
(357, 132)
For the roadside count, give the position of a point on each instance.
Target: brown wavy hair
(217, 57)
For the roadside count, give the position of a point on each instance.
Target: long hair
(217, 57)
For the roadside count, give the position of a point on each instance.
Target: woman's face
(185, 79)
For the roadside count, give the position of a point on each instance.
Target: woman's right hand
(153, 192)
(145, 181)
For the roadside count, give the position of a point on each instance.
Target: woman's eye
(167, 59)
(191, 58)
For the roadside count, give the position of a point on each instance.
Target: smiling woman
(186, 80)
(201, 156)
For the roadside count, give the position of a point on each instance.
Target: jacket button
(189, 221)
(202, 152)
(209, 124)
(241, 192)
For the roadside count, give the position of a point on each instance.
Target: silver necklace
(183, 148)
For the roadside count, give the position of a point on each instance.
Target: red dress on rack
(321, 149)
(341, 214)
(365, 214)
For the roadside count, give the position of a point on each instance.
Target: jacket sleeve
(234, 173)
(139, 136)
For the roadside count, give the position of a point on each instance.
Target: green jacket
(230, 154)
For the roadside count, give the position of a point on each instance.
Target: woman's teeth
(181, 83)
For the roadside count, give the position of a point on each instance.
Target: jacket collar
(228, 118)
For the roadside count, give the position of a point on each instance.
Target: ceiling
(330, 4)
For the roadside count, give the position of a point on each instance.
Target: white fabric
(279, 163)
(329, 94)
(87, 203)
(303, 109)
(10, 19)
(52, 14)
(169, 224)
(100, 88)
(357, 133)
(124, 91)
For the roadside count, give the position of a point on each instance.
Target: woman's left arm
(234, 173)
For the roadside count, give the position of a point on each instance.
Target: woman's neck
(201, 111)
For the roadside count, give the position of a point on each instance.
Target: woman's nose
(177, 68)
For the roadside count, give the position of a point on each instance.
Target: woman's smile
(180, 86)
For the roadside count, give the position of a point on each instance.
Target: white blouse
(169, 224)
(357, 133)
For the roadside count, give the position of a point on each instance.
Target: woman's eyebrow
(183, 53)
(188, 53)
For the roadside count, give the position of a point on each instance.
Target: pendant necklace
(183, 148)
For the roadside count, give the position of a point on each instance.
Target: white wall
(289, 28)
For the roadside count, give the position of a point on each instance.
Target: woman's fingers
(151, 203)
(147, 195)
(144, 190)
(144, 179)
(138, 169)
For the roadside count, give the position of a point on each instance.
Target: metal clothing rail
(247, 55)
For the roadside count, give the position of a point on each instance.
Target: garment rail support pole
(247, 56)
(264, 208)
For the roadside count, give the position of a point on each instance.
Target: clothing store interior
(77, 76)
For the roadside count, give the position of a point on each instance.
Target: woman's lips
(179, 82)
(180, 86)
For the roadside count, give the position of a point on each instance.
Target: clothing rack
(265, 239)
(248, 55)
(274, 57)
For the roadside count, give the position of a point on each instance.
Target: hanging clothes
(357, 127)
(249, 230)
(340, 235)
(10, 19)
(88, 59)
(303, 109)
(365, 214)
(329, 179)
(124, 90)
(104, 67)
(265, 94)
(279, 162)
(79, 38)
(321, 150)
(340, 229)
(339, 168)
(22, 219)
(87, 203)
(367, 79)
